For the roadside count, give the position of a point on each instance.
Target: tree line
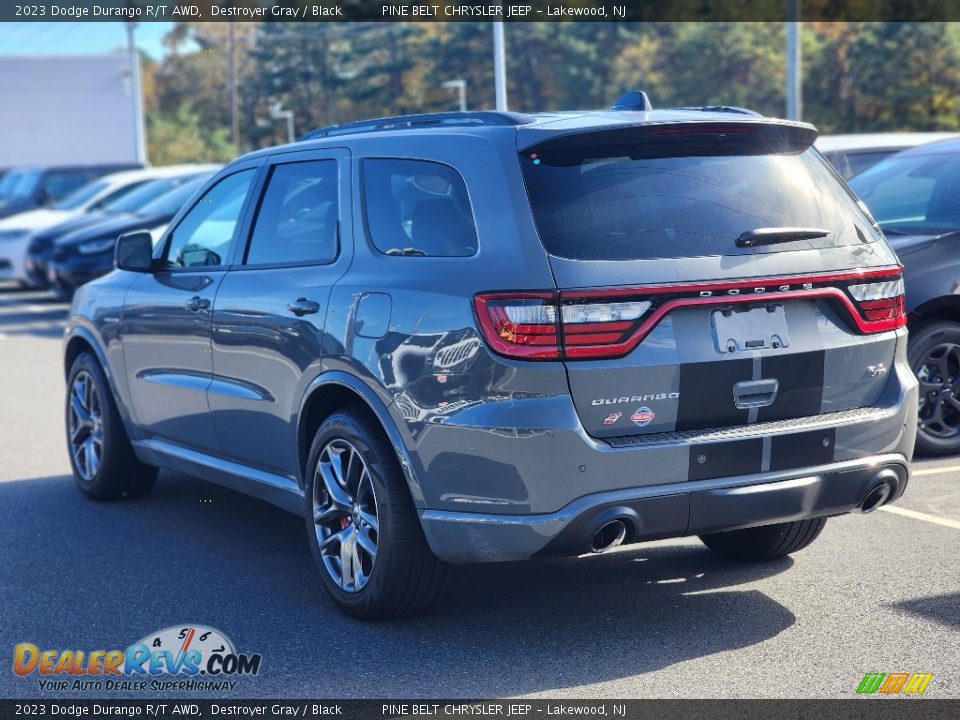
(857, 77)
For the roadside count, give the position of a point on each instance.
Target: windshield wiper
(772, 236)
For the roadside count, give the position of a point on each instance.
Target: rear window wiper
(772, 236)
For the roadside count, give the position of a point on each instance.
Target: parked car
(85, 254)
(852, 154)
(15, 231)
(915, 198)
(42, 243)
(648, 325)
(28, 188)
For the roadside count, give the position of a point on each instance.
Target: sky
(79, 38)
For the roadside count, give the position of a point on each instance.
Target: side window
(58, 185)
(415, 207)
(205, 234)
(297, 218)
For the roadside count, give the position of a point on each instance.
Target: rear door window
(637, 201)
(298, 217)
(417, 208)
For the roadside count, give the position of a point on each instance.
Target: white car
(15, 231)
(852, 154)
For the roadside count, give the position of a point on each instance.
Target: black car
(24, 189)
(915, 198)
(67, 258)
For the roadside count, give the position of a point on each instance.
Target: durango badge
(643, 416)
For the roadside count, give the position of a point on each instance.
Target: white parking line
(946, 522)
(935, 471)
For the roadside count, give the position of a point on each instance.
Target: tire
(934, 355)
(92, 422)
(767, 542)
(357, 500)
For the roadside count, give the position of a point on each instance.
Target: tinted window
(23, 183)
(171, 202)
(913, 192)
(143, 194)
(205, 234)
(82, 195)
(414, 207)
(858, 162)
(637, 201)
(59, 184)
(297, 219)
(116, 194)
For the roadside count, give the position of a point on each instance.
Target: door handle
(755, 393)
(197, 303)
(301, 306)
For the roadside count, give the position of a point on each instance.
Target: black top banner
(479, 11)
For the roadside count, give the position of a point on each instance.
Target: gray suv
(471, 337)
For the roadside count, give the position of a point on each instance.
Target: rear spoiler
(747, 135)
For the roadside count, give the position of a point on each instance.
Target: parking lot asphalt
(877, 593)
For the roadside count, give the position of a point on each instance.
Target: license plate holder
(755, 328)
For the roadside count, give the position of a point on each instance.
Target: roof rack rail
(411, 122)
(635, 100)
(721, 109)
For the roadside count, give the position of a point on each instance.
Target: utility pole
(499, 66)
(794, 69)
(139, 135)
(232, 84)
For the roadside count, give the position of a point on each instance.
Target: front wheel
(934, 353)
(362, 528)
(767, 542)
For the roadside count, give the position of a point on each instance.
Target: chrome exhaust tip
(609, 536)
(876, 497)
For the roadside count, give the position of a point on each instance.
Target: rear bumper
(666, 511)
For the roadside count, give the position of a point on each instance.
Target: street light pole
(232, 83)
(139, 136)
(278, 113)
(460, 85)
(794, 69)
(499, 66)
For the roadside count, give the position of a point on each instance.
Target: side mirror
(134, 252)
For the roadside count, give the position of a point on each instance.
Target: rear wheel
(767, 542)
(103, 462)
(934, 354)
(361, 524)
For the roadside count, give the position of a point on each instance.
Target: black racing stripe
(800, 377)
(802, 449)
(725, 459)
(706, 394)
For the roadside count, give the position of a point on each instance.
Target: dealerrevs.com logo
(188, 657)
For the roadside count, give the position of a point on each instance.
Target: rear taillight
(880, 302)
(610, 323)
(521, 325)
(527, 325)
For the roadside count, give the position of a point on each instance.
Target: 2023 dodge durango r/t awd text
(482, 336)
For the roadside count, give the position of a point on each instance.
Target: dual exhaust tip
(613, 532)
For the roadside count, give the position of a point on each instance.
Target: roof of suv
(532, 128)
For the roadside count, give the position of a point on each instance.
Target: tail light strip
(537, 325)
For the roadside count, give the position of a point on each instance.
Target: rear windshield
(638, 202)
